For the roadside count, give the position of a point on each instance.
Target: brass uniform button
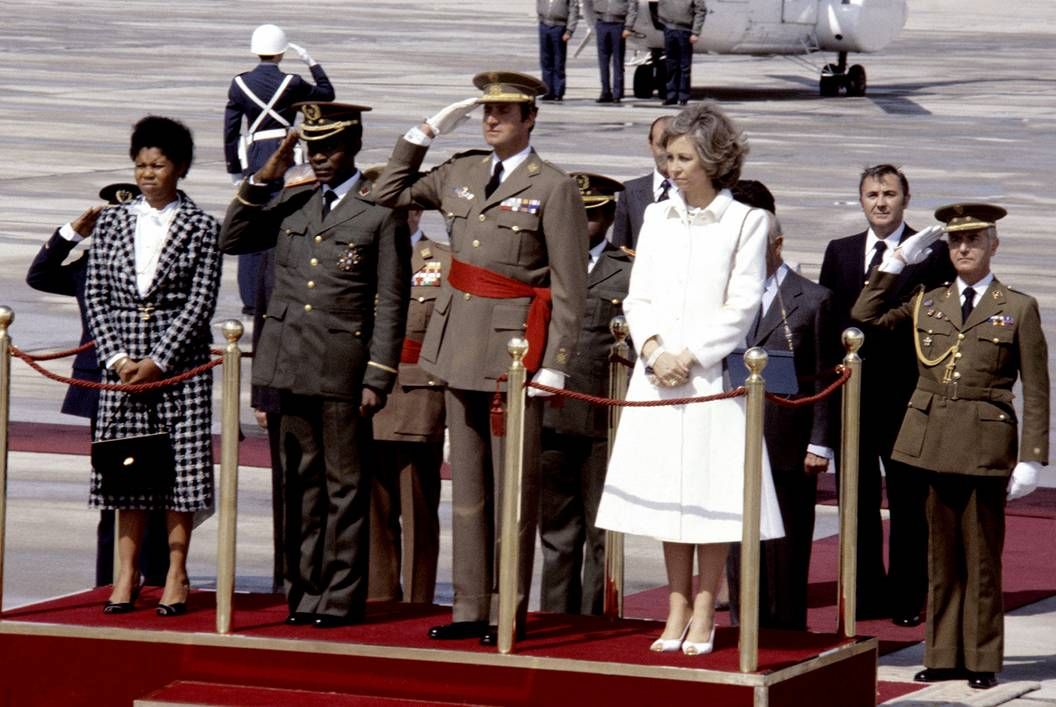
(359, 333)
(516, 229)
(314, 262)
(466, 295)
(483, 218)
(958, 354)
(960, 337)
(956, 375)
(996, 340)
(318, 239)
(476, 243)
(311, 284)
(307, 307)
(615, 301)
(421, 299)
(1001, 416)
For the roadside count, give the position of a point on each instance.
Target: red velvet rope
(27, 357)
(132, 388)
(843, 377)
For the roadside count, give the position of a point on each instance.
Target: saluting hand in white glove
(303, 53)
(451, 117)
(917, 247)
(1024, 480)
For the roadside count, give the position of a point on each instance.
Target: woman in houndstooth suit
(153, 278)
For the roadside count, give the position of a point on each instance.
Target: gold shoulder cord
(930, 362)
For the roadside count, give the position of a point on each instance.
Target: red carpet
(394, 624)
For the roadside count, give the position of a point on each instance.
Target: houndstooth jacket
(169, 324)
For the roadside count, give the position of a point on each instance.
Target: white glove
(303, 53)
(1024, 479)
(918, 246)
(451, 117)
(546, 376)
(236, 178)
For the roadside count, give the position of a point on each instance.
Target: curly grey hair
(721, 147)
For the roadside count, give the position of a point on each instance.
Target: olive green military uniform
(334, 324)
(409, 440)
(960, 429)
(531, 229)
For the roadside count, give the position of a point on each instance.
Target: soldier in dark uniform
(613, 22)
(409, 446)
(331, 344)
(973, 339)
(518, 242)
(49, 273)
(265, 98)
(575, 434)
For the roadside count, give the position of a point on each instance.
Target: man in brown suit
(973, 338)
(409, 448)
(518, 242)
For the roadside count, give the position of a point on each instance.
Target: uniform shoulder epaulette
(301, 182)
(476, 152)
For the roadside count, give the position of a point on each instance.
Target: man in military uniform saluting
(973, 339)
(519, 244)
(331, 344)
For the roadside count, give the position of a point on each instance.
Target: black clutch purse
(779, 374)
(142, 465)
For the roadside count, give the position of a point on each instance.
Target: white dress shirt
(892, 242)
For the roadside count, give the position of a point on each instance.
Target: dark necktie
(665, 187)
(878, 256)
(968, 305)
(496, 179)
(329, 197)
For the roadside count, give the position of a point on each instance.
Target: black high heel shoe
(123, 607)
(177, 609)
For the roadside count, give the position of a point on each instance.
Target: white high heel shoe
(669, 645)
(698, 647)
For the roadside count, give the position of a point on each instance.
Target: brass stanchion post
(228, 501)
(850, 419)
(7, 316)
(755, 359)
(613, 596)
(511, 495)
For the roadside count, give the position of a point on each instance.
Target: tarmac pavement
(964, 100)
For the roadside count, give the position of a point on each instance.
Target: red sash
(411, 351)
(485, 283)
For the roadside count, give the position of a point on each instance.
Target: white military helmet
(268, 40)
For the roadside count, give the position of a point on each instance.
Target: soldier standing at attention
(330, 346)
(409, 447)
(682, 20)
(973, 339)
(265, 98)
(575, 435)
(557, 22)
(518, 269)
(613, 24)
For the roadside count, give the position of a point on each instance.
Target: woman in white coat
(677, 472)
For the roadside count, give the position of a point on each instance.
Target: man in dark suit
(264, 97)
(409, 444)
(640, 192)
(889, 374)
(575, 434)
(331, 344)
(518, 239)
(49, 273)
(973, 339)
(796, 316)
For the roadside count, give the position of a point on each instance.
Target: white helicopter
(771, 28)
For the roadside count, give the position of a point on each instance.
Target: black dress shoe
(118, 607)
(938, 674)
(491, 636)
(458, 630)
(907, 621)
(981, 681)
(300, 618)
(177, 609)
(670, 102)
(604, 98)
(331, 621)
